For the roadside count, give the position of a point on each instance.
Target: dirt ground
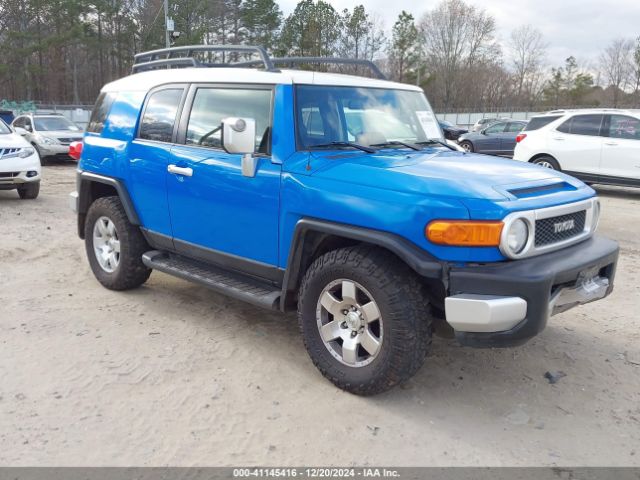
(173, 374)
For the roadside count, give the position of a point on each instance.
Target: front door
(621, 149)
(490, 138)
(217, 213)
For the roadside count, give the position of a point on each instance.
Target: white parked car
(50, 134)
(19, 164)
(595, 145)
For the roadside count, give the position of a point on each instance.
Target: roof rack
(183, 57)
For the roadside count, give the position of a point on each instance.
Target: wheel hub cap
(349, 323)
(106, 244)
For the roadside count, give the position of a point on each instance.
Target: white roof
(587, 110)
(145, 81)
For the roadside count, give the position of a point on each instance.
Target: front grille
(67, 141)
(556, 229)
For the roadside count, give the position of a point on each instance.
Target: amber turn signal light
(464, 233)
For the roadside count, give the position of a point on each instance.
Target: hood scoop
(538, 190)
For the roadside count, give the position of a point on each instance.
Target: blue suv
(336, 195)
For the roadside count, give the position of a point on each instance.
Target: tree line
(63, 51)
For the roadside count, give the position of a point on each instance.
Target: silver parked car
(50, 134)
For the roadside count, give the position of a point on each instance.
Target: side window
(495, 128)
(584, 125)
(100, 112)
(621, 126)
(27, 124)
(565, 127)
(212, 105)
(19, 122)
(160, 115)
(514, 127)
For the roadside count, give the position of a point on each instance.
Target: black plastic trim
(418, 259)
(533, 279)
(84, 181)
(259, 270)
(605, 179)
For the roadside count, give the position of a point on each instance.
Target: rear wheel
(547, 162)
(114, 246)
(364, 319)
(29, 191)
(467, 145)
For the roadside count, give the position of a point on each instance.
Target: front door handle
(613, 144)
(186, 172)
(558, 138)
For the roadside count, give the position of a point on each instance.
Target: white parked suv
(19, 164)
(595, 145)
(50, 134)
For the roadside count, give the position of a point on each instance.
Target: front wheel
(29, 191)
(114, 246)
(364, 319)
(467, 146)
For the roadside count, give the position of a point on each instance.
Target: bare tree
(615, 63)
(528, 50)
(456, 37)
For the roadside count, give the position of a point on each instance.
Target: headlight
(517, 236)
(48, 140)
(26, 152)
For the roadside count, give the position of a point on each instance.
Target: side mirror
(239, 136)
(21, 131)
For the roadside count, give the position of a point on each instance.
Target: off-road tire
(403, 307)
(548, 159)
(29, 191)
(469, 145)
(130, 272)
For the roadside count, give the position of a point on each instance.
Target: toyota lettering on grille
(564, 226)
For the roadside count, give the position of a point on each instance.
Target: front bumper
(17, 171)
(55, 150)
(507, 303)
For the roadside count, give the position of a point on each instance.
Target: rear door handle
(186, 172)
(613, 144)
(558, 138)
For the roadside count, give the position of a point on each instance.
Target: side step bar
(222, 281)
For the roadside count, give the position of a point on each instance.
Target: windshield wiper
(345, 144)
(436, 142)
(412, 146)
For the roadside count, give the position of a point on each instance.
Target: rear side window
(538, 122)
(100, 112)
(160, 115)
(582, 125)
(622, 126)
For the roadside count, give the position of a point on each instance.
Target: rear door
(217, 213)
(577, 145)
(621, 149)
(149, 155)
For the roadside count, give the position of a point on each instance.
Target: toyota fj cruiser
(335, 194)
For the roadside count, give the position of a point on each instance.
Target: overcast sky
(571, 27)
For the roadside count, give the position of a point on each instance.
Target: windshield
(4, 129)
(366, 116)
(44, 124)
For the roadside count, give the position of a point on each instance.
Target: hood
(439, 172)
(12, 140)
